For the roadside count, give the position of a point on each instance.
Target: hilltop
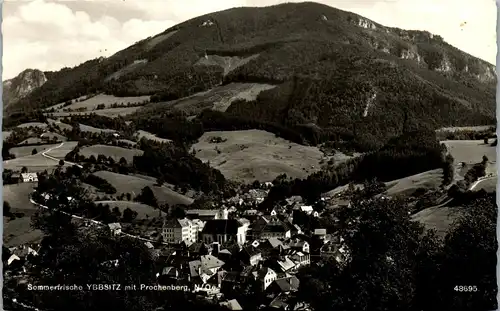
(328, 74)
(22, 85)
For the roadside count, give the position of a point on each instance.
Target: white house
(29, 177)
(265, 276)
(115, 228)
(178, 230)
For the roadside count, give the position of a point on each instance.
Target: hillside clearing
(6, 134)
(151, 43)
(33, 124)
(31, 140)
(257, 155)
(408, 185)
(111, 151)
(19, 232)
(228, 63)
(60, 125)
(143, 134)
(488, 185)
(52, 135)
(127, 69)
(466, 128)
(143, 211)
(438, 218)
(26, 151)
(220, 98)
(133, 185)
(403, 186)
(34, 163)
(107, 100)
(472, 152)
(87, 128)
(18, 196)
(111, 112)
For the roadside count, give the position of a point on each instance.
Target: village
(219, 252)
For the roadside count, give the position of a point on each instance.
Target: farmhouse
(29, 177)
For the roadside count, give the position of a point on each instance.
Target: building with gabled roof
(224, 231)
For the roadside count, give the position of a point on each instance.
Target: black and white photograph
(337, 155)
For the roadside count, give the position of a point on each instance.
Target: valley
(275, 157)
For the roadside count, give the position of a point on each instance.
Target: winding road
(55, 159)
(479, 181)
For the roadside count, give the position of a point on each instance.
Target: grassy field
(33, 124)
(107, 100)
(87, 128)
(37, 162)
(465, 128)
(52, 135)
(6, 134)
(126, 141)
(19, 231)
(218, 98)
(407, 186)
(228, 63)
(134, 185)
(31, 140)
(140, 134)
(438, 218)
(403, 186)
(111, 112)
(255, 154)
(63, 150)
(471, 152)
(34, 163)
(111, 151)
(489, 185)
(18, 196)
(26, 151)
(143, 211)
(62, 126)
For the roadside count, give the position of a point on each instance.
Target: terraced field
(111, 151)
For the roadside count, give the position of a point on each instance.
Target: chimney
(216, 248)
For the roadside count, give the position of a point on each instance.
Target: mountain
(22, 85)
(335, 73)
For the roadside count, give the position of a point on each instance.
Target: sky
(50, 35)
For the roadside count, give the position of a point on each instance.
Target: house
(29, 177)
(224, 231)
(285, 285)
(308, 209)
(250, 255)
(301, 259)
(286, 264)
(265, 276)
(115, 228)
(332, 250)
(298, 245)
(320, 233)
(180, 230)
(205, 268)
(270, 227)
(206, 215)
(275, 229)
(198, 249)
(232, 305)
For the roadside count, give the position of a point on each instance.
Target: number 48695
(465, 289)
